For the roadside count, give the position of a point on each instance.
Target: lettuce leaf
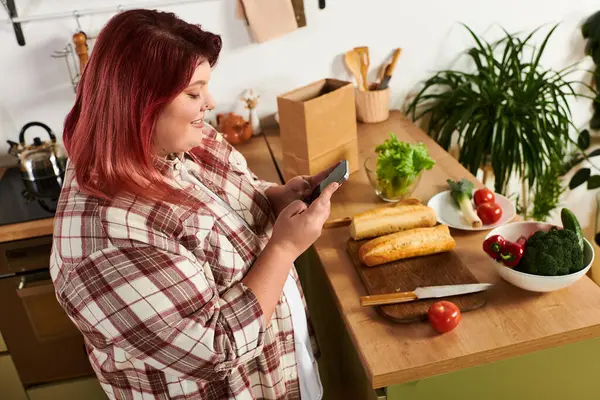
(399, 164)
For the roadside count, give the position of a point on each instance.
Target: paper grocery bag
(318, 127)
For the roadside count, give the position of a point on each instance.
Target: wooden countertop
(255, 151)
(512, 323)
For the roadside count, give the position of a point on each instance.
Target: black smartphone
(340, 174)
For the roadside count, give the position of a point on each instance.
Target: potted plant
(590, 30)
(508, 111)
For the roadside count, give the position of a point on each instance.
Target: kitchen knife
(388, 71)
(425, 292)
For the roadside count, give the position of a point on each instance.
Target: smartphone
(340, 174)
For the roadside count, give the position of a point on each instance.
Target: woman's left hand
(297, 188)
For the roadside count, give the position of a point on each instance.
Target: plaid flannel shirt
(156, 289)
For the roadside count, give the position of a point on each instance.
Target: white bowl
(536, 283)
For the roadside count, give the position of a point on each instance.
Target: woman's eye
(194, 96)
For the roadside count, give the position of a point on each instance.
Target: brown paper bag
(318, 127)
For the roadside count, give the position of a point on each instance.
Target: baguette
(406, 214)
(406, 244)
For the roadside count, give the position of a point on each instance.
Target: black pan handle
(321, 4)
(35, 123)
(12, 13)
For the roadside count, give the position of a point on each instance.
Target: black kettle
(42, 164)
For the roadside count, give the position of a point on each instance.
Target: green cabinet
(567, 372)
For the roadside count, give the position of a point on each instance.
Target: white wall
(34, 86)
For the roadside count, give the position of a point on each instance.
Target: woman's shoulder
(85, 224)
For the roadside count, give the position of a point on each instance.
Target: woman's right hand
(298, 226)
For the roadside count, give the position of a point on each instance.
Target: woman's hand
(296, 228)
(299, 225)
(297, 188)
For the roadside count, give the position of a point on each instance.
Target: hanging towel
(269, 19)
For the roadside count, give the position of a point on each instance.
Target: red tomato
(444, 316)
(483, 195)
(490, 213)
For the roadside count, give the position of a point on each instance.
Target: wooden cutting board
(406, 275)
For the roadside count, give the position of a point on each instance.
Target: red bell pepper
(493, 246)
(503, 251)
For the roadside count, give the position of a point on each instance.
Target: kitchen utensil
(337, 222)
(42, 164)
(352, 61)
(373, 105)
(389, 69)
(381, 72)
(81, 48)
(321, 4)
(12, 13)
(537, 283)
(406, 275)
(363, 52)
(427, 292)
(449, 213)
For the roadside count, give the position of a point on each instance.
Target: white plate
(449, 213)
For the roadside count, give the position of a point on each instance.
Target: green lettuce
(399, 165)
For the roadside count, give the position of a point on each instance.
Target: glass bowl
(405, 185)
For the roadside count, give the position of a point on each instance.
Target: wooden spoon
(363, 51)
(352, 60)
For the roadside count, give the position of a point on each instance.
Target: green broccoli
(551, 253)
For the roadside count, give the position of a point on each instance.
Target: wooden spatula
(352, 60)
(363, 51)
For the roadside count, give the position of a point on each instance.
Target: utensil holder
(373, 105)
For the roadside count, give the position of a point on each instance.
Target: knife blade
(425, 292)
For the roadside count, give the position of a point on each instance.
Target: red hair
(141, 61)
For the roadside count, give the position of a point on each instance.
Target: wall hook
(77, 15)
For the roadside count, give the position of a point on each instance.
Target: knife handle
(387, 298)
(81, 48)
(337, 222)
(394, 60)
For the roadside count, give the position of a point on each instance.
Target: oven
(43, 342)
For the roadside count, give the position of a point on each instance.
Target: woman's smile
(198, 123)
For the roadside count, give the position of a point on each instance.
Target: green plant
(508, 111)
(582, 175)
(590, 30)
(399, 164)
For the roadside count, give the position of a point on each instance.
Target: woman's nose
(210, 102)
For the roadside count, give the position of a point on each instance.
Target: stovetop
(14, 206)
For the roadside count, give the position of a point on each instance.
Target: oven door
(44, 344)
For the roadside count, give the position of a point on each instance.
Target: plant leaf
(579, 178)
(593, 182)
(583, 141)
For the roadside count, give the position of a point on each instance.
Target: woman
(173, 260)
